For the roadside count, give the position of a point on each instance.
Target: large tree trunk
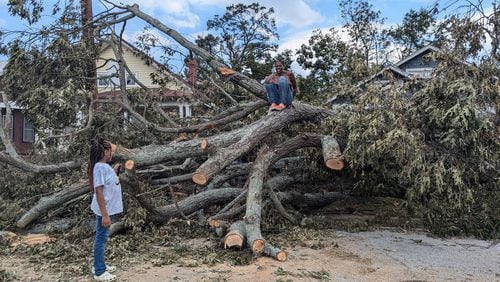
(49, 202)
(253, 135)
(266, 158)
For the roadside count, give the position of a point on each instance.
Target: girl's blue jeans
(101, 237)
(280, 93)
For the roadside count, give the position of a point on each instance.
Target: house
(418, 65)
(21, 131)
(175, 95)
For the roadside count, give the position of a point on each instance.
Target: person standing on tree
(106, 201)
(281, 87)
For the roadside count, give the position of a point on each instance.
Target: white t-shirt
(104, 175)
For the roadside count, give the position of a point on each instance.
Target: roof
(182, 83)
(416, 54)
(395, 69)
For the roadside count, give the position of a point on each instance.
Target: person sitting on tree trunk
(281, 87)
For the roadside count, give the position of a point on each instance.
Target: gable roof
(396, 68)
(426, 49)
(186, 90)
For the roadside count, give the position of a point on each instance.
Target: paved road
(426, 257)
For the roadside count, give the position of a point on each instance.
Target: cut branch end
(258, 246)
(129, 164)
(226, 71)
(199, 179)
(203, 144)
(281, 256)
(233, 239)
(335, 164)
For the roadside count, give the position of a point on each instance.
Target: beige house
(175, 93)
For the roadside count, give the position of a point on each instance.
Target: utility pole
(88, 38)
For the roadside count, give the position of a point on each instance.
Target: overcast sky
(296, 19)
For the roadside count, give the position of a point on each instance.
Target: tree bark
(266, 158)
(47, 203)
(252, 136)
(253, 86)
(276, 253)
(236, 235)
(312, 200)
(331, 153)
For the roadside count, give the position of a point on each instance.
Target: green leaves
(244, 35)
(437, 148)
(30, 10)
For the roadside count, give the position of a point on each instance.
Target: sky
(295, 19)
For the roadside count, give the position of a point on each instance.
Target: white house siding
(136, 65)
(143, 72)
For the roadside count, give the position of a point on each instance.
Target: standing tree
(242, 38)
(363, 26)
(414, 32)
(244, 33)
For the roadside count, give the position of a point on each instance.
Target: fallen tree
(227, 161)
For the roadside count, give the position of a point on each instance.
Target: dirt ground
(383, 255)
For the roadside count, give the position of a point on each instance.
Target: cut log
(331, 153)
(235, 236)
(276, 253)
(257, 245)
(187, 206)
(226, 71)
(254, 202)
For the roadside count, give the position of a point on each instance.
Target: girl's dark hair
(97, 148)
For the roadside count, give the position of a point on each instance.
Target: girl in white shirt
(106, 201)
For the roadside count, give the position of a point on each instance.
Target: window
(102, 82)
(130, 79)
(11, 131)
(28, 132)
(185, 110)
